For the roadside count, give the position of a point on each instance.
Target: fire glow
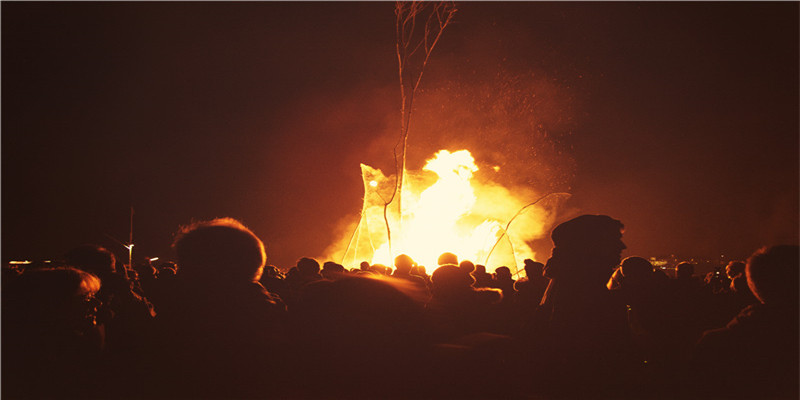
(444, 208)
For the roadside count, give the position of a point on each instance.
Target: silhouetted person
(332, 271)
(308, 270)
(756, 354)
(505, 282)
(403, 266)
(51, 342)
(531, 289)
(684, 271)
(585, 339)
(457, 308)
(380, 269)
(447, 258)
(482, 278)
(467, 265)
(125, 315)
(650, 313)
(221, 331)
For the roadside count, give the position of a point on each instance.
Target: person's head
(503, 273)
(403, 263)
(449, 279)
(597, 236)
(62, 297)
(684, 270)
(636, 269)
(364, 266)
(772, 275)
(533, 269)
(220, 249)
(92, 259)
(308, 266)
(378, 269)
(447, 258)
(332, 270)
(586, 250)
(467, 266)
(734, 269)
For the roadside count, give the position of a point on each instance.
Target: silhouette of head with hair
(636, 269)
(684, 270)
(403, 263)
(503, 273)
(772, 275)
(533, 268)
(449, 279)
(56, 296)
(734, 269)
(447, 258)
(221, 249)
(308, 266)
(467, 266)
(586, 249)
(480, 269)
(332, 270)
(50, 336)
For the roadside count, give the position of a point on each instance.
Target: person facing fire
(531, 289)
(447, 259)
(584, 330)
(403, 265)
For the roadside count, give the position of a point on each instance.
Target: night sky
(679, 119)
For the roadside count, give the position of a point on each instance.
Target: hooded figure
(583, 330)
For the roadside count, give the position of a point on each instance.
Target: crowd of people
(221, 323)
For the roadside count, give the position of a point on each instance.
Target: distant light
(496, 168)
(20, 262)
(373, 183)
(153, 259)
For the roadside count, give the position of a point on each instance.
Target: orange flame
(448, 212)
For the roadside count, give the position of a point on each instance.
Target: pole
(130, 243)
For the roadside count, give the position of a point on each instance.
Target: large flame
(444, 210)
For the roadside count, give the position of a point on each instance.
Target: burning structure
(444, 209)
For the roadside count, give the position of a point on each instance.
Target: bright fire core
(444, 209)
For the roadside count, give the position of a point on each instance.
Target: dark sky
(679, 119)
